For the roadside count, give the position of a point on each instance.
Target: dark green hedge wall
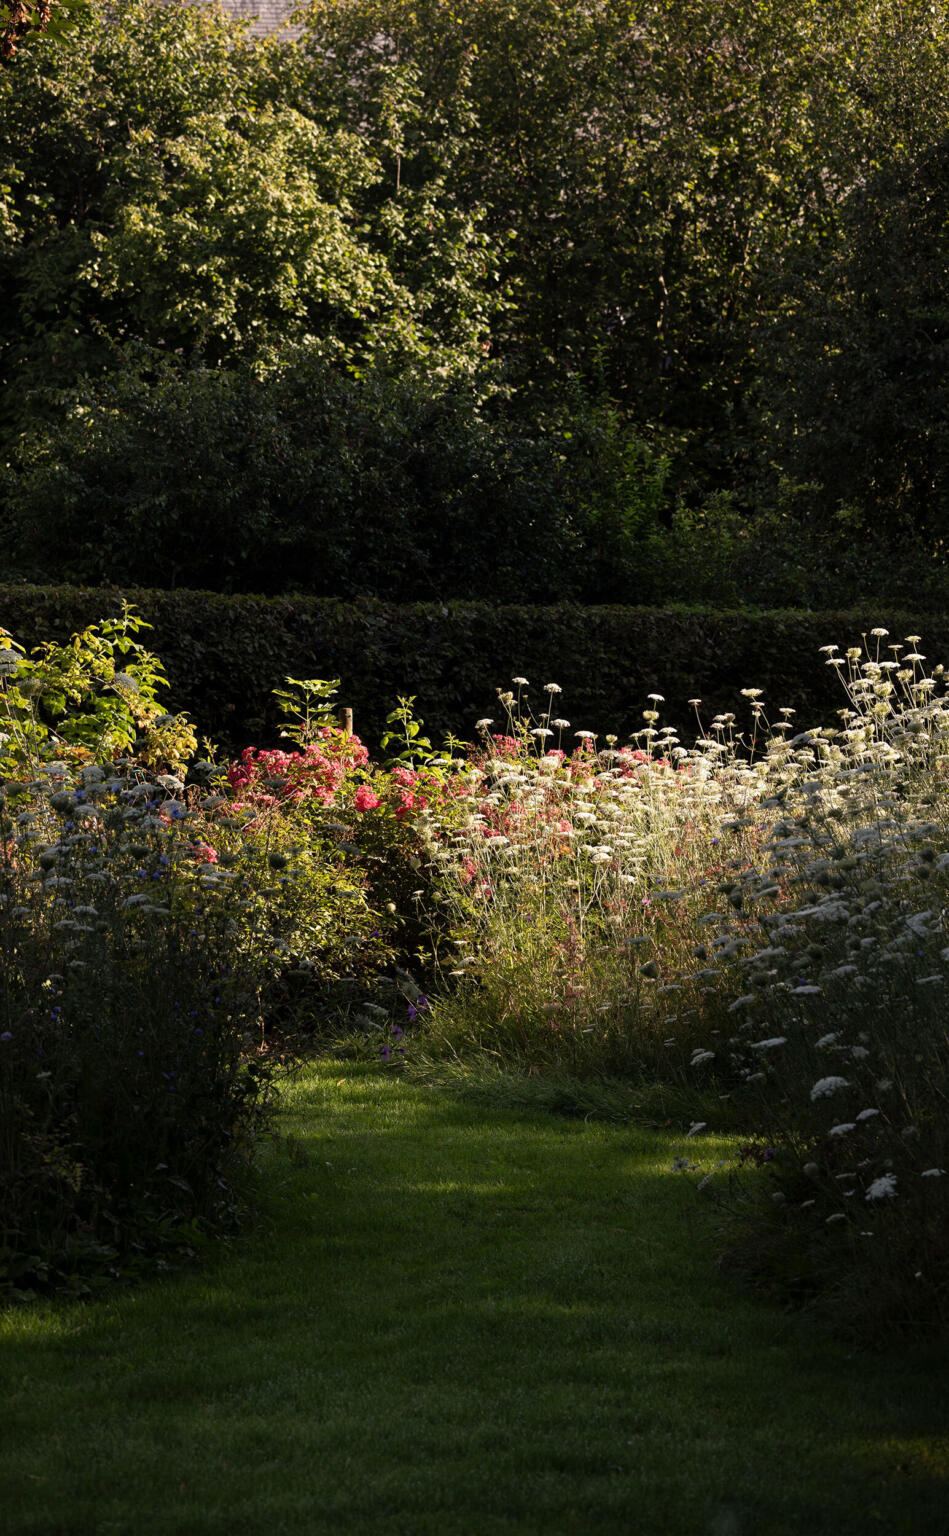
(224, 654)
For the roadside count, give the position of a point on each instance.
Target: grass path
(450, 1321)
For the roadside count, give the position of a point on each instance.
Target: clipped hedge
(224, 655)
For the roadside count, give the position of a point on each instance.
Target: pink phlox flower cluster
(317, 772)
(409, 798)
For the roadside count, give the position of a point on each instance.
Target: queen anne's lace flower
(882, 1187)
(825, 1086)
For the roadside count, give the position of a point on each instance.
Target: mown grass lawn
(452, 1319)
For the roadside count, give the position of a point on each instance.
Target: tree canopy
(707, 234)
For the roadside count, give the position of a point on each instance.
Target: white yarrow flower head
(657, 698)
(882, 1187)
(520, 682)
(562, 725)
(825, 1086)
(541, 730)
(482, 725)
(552, 688)
(585, 735)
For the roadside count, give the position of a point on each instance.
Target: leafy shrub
(154, 935)
(293, 475)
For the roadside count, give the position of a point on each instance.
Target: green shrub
(164, 946)
(297, 476)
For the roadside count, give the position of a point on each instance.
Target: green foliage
(307, 703)
(93, 697)
(861, 413)
(643, 175)
(163, 948)
(297, 476)
(24, 21)
(467, 300)
(159, 186)
(406, 734)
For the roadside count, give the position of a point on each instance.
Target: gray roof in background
(269, 14)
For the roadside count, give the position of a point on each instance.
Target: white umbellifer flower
(552, 688)
(695, 1127)
(826, 1040)
(805, 991)
(520, 682)
(825, 1086)
(841, 1130)
(482, 725)
(882, 1187)
(585, 735)
(541, 730)
(562, 725)
(932, 1173)
(742, 1002)
(879, 633)
(768, 1045)
(859, 1053)
(699, 1056)
(867, 1114)
(919, 923)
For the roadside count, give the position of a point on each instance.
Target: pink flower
(205, 854)
(365, 800)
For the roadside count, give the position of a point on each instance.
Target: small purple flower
(398, 1031)
(414, 1010)
(6, 1037)
(386, 1052)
